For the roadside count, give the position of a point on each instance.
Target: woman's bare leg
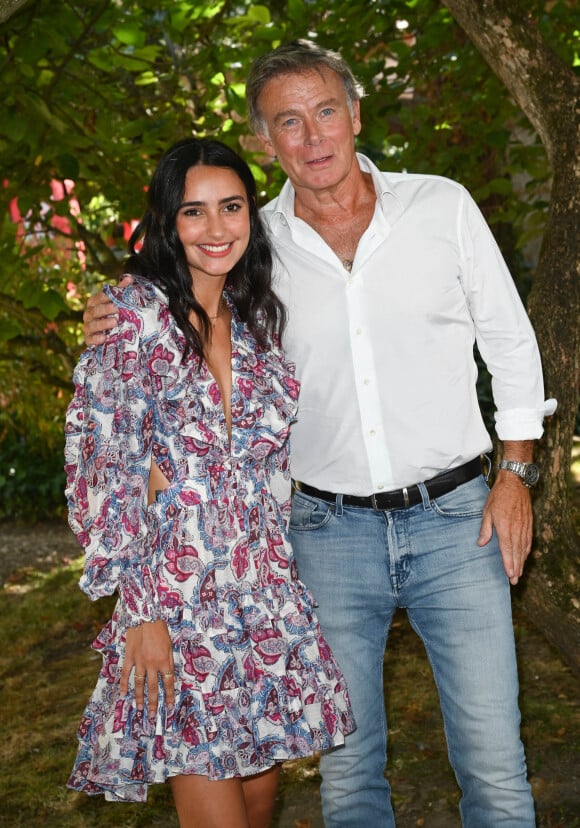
(235, 803)
(260, 796)
(202, 803)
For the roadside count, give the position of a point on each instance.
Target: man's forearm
(520, 450)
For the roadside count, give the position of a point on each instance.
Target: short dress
(255, 680)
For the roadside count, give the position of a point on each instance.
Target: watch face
(531, 474)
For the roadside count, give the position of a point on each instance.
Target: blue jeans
(361, 566)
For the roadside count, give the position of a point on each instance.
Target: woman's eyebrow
(226, 200)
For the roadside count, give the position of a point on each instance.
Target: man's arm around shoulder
(100, 315)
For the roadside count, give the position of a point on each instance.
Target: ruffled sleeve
(285, 391)
(109, 429)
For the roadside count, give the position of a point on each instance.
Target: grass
(47, 671)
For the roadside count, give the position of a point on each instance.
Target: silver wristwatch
(529, 473)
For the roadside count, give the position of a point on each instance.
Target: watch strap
(516, 466)
(527, 472)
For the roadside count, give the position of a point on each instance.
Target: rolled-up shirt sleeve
(107, 461)
(513, 423)
(504, 334)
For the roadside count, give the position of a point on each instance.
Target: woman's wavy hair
(161, 256)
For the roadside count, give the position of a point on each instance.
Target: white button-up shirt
(385, 353)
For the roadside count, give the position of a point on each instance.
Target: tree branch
(9, 7)
(508, 38)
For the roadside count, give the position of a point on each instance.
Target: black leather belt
(402, 498)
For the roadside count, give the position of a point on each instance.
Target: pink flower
(182, 561)
(199, 663)
(169, 598)
(160, 360)
(268, 644)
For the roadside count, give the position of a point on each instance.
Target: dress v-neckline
(213, 378)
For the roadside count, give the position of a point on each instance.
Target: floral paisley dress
(256, 682)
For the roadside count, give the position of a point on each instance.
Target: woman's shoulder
(140, 294)
(142, 305)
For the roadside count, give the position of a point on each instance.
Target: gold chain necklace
(220, 311)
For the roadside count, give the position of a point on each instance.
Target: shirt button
(366, 381)
(358, 331)
(381, 486)
(372, 432)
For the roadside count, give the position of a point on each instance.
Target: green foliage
(31, 479)
(94, 92)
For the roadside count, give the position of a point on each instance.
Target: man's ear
(356, 122)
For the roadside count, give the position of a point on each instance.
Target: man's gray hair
(295, 58)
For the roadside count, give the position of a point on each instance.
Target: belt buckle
(406, 502)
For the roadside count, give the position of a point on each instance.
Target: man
(388, 280)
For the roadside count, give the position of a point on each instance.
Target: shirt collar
(389, 202)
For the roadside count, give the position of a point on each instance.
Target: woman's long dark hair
(162, 259)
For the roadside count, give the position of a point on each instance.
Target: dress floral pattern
(256, 682)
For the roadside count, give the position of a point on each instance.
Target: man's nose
(312, 132)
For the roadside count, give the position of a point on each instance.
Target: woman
(214, 667)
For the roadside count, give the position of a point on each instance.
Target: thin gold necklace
(220, 311)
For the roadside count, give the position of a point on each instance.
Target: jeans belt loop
(405, 497)
(374, 502)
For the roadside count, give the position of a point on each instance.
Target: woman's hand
(149, 652)
(100, 315)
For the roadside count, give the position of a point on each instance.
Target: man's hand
(148, 650)
(508, 509)
(100, 316)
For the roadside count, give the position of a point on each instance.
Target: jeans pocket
(309, 513)
(465, 501)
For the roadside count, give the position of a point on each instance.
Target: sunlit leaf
(259, 14)
(129, 33)
(146, 78)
